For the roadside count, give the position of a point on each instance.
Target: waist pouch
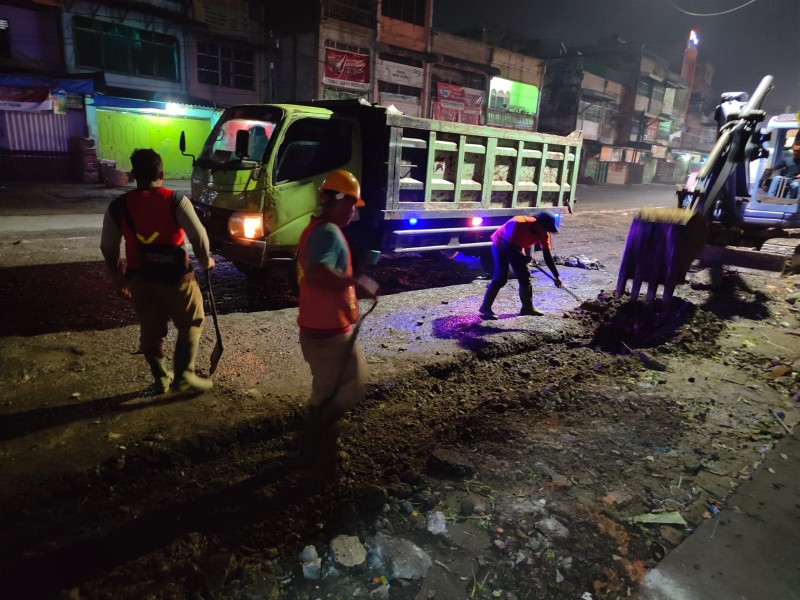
(163, 263)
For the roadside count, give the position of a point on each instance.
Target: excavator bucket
(662, 243)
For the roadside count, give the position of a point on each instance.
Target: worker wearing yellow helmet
(328, 309)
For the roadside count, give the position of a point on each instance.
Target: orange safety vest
(517, 232)
(326, 310)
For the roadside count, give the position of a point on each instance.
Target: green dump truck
(429, 186)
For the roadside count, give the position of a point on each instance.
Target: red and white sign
(346, 70)
(457, 104)
(18, 98)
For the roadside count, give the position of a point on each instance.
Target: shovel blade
(216, 354)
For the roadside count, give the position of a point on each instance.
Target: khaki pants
(327, 357)
(158, 303)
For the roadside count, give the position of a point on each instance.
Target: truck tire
(448, 254)
(487, 261)
(291, 274)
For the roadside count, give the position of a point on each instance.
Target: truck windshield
(220, 147)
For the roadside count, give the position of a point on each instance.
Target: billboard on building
(347, 70)
(393, 72)
(25, 98)
(457, 104)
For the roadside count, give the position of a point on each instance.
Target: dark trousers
(505, 255)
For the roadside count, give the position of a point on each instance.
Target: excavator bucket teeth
(661, 245)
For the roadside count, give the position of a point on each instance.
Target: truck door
(309, 149)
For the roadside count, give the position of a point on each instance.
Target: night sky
(761, 38)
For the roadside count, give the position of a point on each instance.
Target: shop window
(121, 49)
(410, 11)
(5, 41)
(225, 67)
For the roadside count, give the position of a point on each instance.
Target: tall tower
(689, 63)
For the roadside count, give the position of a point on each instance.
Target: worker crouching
(509, 243)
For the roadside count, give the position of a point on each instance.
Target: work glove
(369, 285)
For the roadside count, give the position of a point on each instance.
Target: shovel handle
(569, 291)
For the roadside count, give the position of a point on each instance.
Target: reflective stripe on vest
(152, 212)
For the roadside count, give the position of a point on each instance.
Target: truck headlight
(249, 226)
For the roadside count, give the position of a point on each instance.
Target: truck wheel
(291, 274)
(448, 254)
(487, 261)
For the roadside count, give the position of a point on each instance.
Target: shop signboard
(25, 98)
(399, 74)
(457, 104)
(347, 70)
(408, 105)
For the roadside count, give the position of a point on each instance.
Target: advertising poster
(346, 70)
(457, 104)
(19, 98)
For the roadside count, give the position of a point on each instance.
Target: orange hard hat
(343, 183)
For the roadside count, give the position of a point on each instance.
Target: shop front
(38, 117)
(122, 125)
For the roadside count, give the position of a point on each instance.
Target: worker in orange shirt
(509, 243)
(328, 310)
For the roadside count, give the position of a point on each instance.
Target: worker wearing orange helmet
(328, 310)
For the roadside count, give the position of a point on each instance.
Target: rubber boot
(161, 376)
(526, 297)
(318, 447)
(186, 380)
(485, 311)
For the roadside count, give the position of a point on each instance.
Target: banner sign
(28, 99)
(409, 105)
(346, 70)
(400, 74)
(457, 104)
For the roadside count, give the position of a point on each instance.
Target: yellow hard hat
(343, 183)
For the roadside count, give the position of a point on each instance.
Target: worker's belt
(510, 246)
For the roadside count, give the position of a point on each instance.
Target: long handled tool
(569, 291)
(216, 353)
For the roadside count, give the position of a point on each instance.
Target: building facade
(387, 53)
(117, 75)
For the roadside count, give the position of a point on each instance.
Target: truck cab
(254, 184)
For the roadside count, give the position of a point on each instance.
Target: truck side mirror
(182, 145)
(242, 143)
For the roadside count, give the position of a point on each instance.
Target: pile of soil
(552, 429)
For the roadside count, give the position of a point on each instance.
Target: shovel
(216, 353)
(570, 292)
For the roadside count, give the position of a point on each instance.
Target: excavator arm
(662, 243)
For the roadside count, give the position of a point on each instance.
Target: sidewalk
(752, 553)
(30, 206)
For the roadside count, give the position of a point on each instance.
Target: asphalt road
(71, 206)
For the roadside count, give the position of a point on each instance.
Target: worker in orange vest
(509, 243)
(328, 309)
(155, 223)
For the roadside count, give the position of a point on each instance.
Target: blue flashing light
(412, 221)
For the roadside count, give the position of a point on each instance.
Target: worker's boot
(526, 297)
(186, 380)
(161, 376)
(485, 311)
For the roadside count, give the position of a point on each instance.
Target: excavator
(723, 218)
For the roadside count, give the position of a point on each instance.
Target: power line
(716, 14)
